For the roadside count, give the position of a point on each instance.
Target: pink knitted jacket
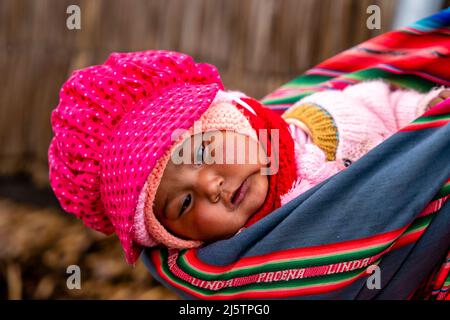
(362, 116)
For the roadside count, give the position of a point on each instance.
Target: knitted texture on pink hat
(221, 115)
(113, 123)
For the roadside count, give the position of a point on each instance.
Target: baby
(151, 147)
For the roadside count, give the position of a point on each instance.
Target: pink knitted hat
(223, 114)
(112, 124)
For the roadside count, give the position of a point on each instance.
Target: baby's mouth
(239, 193)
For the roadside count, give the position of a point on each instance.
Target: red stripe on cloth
(400, 40)
(418, 55)
(427, 125)
(408, 238)
(434, 206)
(441, 277)
(439, 109)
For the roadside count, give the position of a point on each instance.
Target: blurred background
(257, 46)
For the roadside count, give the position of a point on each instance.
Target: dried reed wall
(256, 44)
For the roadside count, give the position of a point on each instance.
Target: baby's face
(210, 201)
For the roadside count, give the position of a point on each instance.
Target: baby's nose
(212, 188)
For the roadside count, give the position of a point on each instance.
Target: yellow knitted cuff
(321, 125)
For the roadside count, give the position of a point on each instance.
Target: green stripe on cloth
(307, 80)
(403, 80)
(444, 191)
(432, 118)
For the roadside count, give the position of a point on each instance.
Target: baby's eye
(185, 203)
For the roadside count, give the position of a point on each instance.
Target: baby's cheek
(261, 186)
(214, 222)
